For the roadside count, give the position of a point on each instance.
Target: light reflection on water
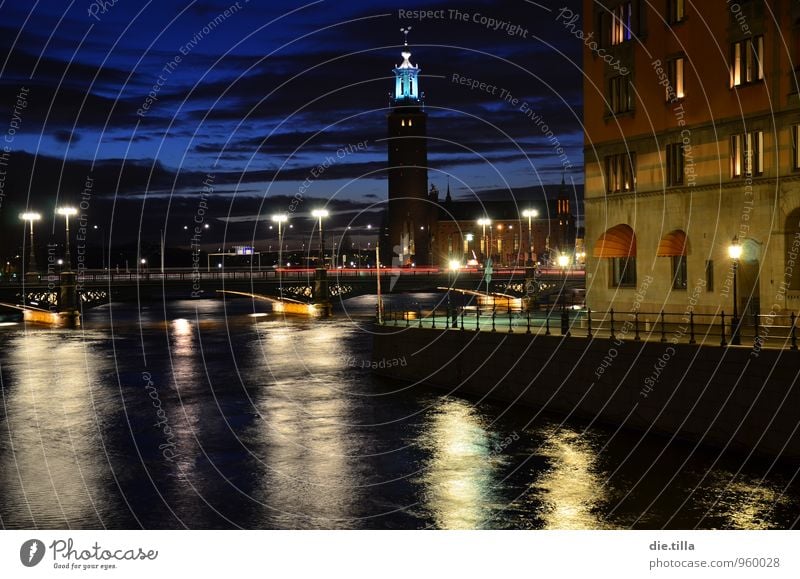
(571, 492)
(52, 448)
(459, 476)
(260, 422)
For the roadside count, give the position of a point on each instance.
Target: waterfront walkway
(719, 329)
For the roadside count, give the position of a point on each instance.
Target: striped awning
(619, 241)
(673, 244)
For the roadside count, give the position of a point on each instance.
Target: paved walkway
(649, 327)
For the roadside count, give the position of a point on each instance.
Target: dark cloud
(260, 105)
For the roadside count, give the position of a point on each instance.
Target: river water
(211, 414)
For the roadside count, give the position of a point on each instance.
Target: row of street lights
(530, 214)
(31, 217)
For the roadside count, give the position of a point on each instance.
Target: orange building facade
(692, 124)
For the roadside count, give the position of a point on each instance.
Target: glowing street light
(483, 222)
(321, 214)
(735, 252)
(66, 212)
(530, 214)
(280, 219)
(31, 216)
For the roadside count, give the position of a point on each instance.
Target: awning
(619, 241)
(673, 244)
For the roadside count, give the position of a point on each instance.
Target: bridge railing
(193, 275)
(756, 331)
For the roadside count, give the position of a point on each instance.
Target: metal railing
(753, 330)
(189, 274)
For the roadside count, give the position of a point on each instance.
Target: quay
(657, 377)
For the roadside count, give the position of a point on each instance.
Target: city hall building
(692, 145)
(424, 230)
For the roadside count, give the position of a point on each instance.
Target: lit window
(747, 154)
(620, 172)
(621, 19)
(402, 122)
(675, 88)
(409, 122)
(675, 159)
(796, 148)
(736, 155)
(619, 94)
(677, 11)
(747, 61)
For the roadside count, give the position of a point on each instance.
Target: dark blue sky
(260, 96)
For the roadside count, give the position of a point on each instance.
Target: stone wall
(724, 397)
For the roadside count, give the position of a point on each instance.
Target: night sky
(259, 96)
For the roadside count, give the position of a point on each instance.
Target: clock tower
(412, 213)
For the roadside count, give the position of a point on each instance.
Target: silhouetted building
(412, 209)
(423, 230)
(460, 235)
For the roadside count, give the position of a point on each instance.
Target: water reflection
(744, 504)
(460, 476)
(54, 468)
(276, 423)
(570, 491)
(304, 434)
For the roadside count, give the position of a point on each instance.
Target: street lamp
(530, 214)
(320, 214)
(563, 263)
(66, 212)
(735, 252)
(280, 219)
(31, 216)
(483, 222)
(452, 313)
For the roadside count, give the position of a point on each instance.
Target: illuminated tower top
(406, 88)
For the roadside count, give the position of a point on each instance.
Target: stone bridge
(99, 287)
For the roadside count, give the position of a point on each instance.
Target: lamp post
(468, 238)
(563, 263)
(530, 214)
(453, 266)
(280, 219)
(31, 216)
(66, 212)
(320, 214)
(735, 252)
(483, 222)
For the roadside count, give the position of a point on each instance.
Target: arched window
(674, 245)
(618, 245)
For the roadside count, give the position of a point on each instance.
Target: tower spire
(405, 32)
(406, 86)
